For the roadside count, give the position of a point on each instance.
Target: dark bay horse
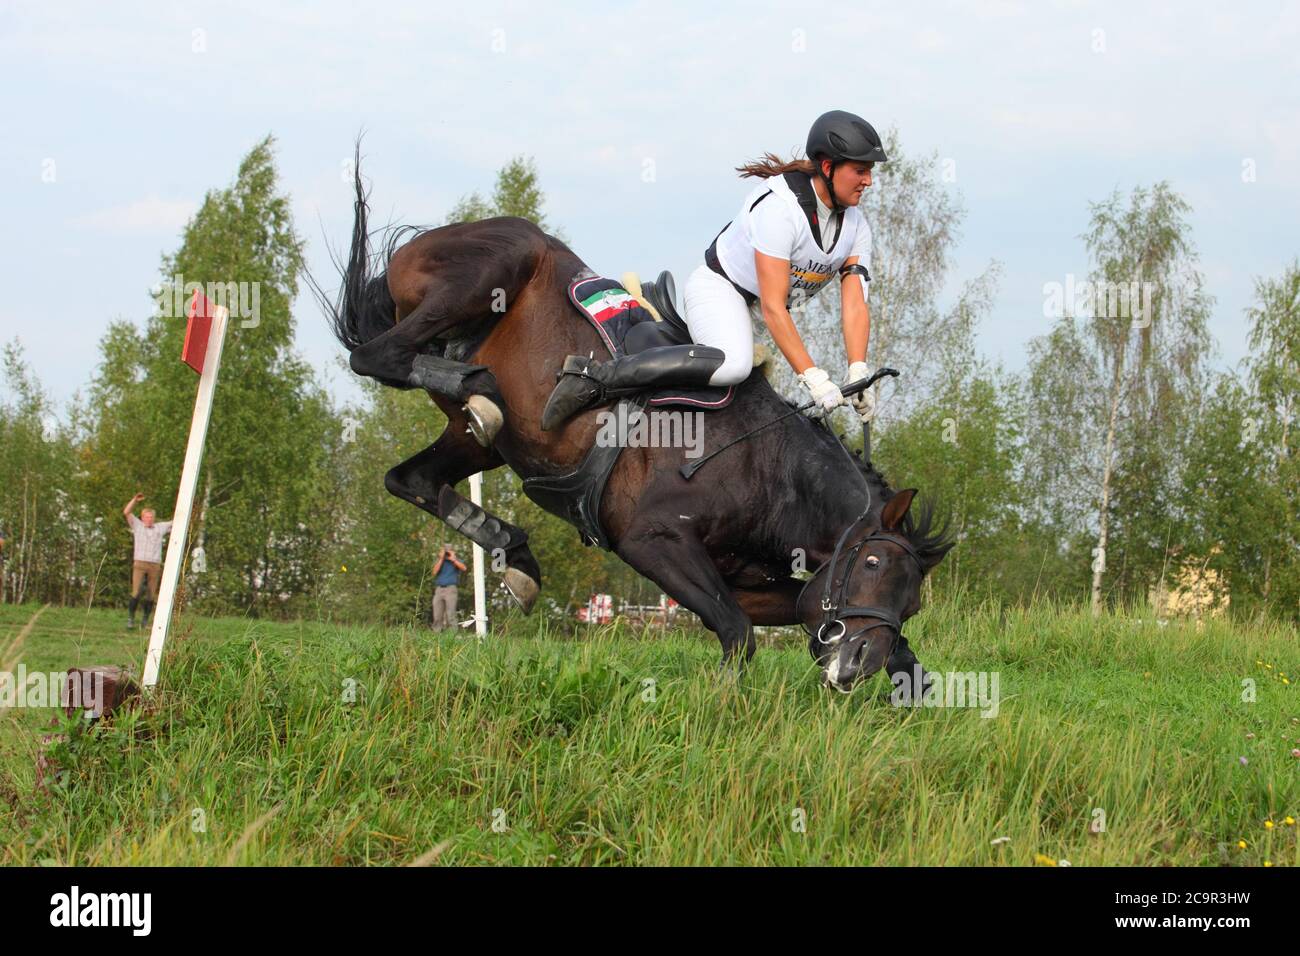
(480, 310)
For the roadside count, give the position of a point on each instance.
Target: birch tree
(1114, 385)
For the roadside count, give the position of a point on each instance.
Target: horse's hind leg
(471, 387)
(452, 294)
(390, 357)
(427, 481)
(683, 568)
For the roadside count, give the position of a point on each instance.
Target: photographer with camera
(446, 576)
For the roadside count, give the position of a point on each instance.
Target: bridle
(834, 609)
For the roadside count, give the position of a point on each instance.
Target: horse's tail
(364, 308)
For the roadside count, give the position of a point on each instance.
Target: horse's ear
(895, 509)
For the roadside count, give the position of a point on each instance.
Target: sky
(118, 118)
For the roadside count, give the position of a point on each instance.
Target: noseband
(835, 610)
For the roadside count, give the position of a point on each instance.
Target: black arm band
(856, 270)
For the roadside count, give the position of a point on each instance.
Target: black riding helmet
(840, 137)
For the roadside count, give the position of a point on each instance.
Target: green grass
(560, 741)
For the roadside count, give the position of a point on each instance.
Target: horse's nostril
(846, 662)
(836, 675)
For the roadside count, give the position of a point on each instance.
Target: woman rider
(797, 230)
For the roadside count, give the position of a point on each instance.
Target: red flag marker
(198, 331)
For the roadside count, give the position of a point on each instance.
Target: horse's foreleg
(683, 568)
(903, 662)
(427, 481)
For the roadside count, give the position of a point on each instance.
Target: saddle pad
(612, 312)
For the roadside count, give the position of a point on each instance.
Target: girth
(576, 497)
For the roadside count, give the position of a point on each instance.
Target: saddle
(661, 297)
(630, 321)
(630, 317)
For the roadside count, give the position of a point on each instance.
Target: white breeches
(717, 315)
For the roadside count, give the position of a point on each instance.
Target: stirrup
(575, 365)
(578, 366)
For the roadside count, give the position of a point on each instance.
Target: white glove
(864, 403)
(825, 393)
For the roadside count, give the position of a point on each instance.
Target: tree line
(1115, 464)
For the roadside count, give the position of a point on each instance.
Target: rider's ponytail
(772, 165)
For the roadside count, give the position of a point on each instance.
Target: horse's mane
(931, 542)
(875, 477)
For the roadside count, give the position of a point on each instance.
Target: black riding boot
(130, 612)
(146, 613)
(585, 382)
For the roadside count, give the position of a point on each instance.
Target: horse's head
(855, 605)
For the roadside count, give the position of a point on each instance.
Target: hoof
(522, 588)
(485, 419)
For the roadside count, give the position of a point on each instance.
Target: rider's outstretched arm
(855, 314)
(773, 287)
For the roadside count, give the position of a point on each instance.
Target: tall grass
(1116, 741)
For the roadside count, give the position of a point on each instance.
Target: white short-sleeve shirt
(772, 222)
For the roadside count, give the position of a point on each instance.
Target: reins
(853, 388)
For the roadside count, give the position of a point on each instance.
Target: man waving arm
(129, 507)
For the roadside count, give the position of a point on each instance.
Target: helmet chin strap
(830, 187)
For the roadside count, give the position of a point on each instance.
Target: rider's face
(850, 180)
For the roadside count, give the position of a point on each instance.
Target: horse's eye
(872, 561)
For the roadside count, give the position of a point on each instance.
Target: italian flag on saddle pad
(612, 312)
